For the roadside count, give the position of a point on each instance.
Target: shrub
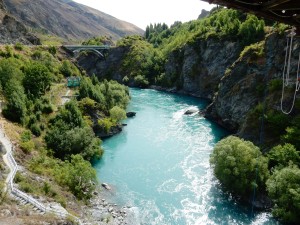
(275, 85)
(235, 162)
(52, 50)
(37, 79)
(18, 46)
(80, 177)
(292, 135)
(141, 81)
(283, 188)
(27, 146)
(106, 124)
(26, 136)
(281, 156)
(117, 114)
(35, 129)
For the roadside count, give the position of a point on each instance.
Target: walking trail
(11, 189)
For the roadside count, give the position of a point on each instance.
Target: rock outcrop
(197, 68)
(245, 84)
(13, 31)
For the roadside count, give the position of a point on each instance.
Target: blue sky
(144, 12)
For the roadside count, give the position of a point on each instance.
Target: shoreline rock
(130, 114)
(102, 212)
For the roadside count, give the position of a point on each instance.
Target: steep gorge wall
(219, 70)
(197, 68)
(247, 82)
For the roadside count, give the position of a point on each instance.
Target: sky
(143, 12)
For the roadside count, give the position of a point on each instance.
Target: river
(160, 166)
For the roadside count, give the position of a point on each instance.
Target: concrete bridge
(99, 50)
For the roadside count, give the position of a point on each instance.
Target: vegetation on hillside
(58, 140)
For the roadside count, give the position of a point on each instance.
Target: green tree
(251, 30)
(283, 187)
(15, 109)
(82, 177)
(37, 79)
(292, 135)
(282, 155)
(117, 114)
(68, 69)
(235, 162)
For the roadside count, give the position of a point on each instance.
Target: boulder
(130, 114)
(191, 111)
(106, 186)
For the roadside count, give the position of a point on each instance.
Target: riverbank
(102, 211)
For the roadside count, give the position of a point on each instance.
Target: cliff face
(248, 82)
(109, 68)
(196, 69)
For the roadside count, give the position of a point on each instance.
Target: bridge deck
(86, 47)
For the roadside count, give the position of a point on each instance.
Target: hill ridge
(68, 19)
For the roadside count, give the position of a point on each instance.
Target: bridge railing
(74, 47)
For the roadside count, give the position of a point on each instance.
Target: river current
(159, 165)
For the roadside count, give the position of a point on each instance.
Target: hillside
(12, 31)
(68, 19)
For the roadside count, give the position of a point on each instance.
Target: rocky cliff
(12, 30)
(251, 80)
(197, 68)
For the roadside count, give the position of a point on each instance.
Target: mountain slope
(68, 19)
(13, 31)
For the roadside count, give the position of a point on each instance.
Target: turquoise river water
(159, 165)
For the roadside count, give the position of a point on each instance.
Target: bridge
(99, 50)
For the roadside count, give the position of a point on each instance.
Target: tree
(251, 30)
(235, 163)
(70, 115)
(68, 69)
(283, 188)
(69, 135)
(80, 177)
(282, 155)
(15, 109)
(37, 79)
(117, 114)
(292, 135)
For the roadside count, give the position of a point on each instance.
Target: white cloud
(144, 12)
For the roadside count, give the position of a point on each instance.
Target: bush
(235, 162)
(282, 155)
(26, 136)
(18, 46)
(37, 79)
(106, 124)
(283, 188)
(80, 177)
(35, 129)
(292, 135)
(52, 50)
(141, 81)
(117, 114)
(27, 146)
(275, 85)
